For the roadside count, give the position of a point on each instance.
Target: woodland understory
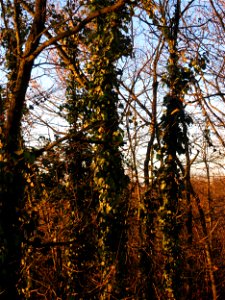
(112, 119)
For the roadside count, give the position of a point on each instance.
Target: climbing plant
(79, 155)
(174, 138)
(108, 42)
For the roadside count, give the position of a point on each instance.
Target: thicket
(112, 149)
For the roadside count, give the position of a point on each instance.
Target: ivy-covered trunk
(108, 43)
(174, 124)
(84, 274)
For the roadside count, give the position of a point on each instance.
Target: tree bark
(13, 167)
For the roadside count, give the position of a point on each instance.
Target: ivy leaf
(29, 156)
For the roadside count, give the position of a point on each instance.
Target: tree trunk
(12, 160)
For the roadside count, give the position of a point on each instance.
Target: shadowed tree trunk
(20, 63)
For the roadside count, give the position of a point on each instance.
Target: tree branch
(76, 29)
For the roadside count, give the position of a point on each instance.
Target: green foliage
(107, 43)
(174, 138)
(96, 170)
